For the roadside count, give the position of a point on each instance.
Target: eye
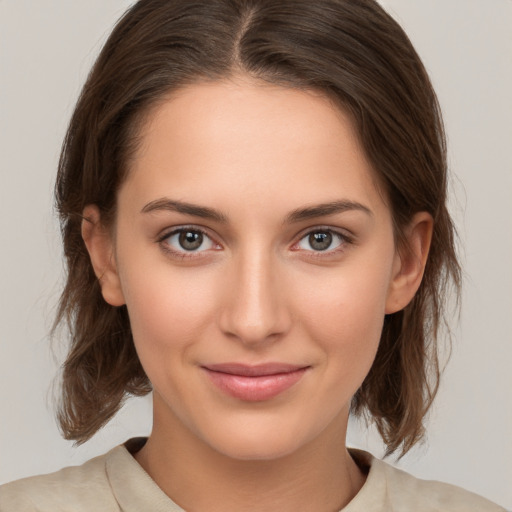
(185, 240)
(322, 240)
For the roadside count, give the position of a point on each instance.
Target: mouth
(254, 383)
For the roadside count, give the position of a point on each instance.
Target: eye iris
(190, 240)
(320, 241)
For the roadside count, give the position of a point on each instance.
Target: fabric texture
(115, 482)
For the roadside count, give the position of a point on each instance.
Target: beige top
(115, 482)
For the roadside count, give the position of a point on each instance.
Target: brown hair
(350, 50)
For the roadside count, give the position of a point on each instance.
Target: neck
(320, 476)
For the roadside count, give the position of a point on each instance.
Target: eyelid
(184, 253)
(346, 237)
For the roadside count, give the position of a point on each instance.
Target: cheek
(345, 314)
(168, 311)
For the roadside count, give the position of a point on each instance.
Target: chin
(257, 450)
(258, 443)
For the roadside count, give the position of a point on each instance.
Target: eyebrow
(170, 205)
(321, 210)
(300, 214)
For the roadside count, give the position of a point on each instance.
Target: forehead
(250, 138)
(239, 109)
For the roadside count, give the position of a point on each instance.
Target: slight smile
(254, 383)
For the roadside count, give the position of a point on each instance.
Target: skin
(255, 291)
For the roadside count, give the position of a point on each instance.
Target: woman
(253, 202)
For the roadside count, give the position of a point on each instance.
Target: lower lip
(255, 389)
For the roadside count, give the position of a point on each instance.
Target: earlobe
(409, 265)
(100, 247)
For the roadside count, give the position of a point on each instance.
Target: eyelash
(344, 238)
(183, 254)
(344, 241)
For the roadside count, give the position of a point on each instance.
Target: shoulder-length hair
(350, 50)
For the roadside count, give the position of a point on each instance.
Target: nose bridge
(256, 309)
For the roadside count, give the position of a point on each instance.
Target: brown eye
(320, 241)
(185, 240)
(190, 240)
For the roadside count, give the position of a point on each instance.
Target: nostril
(252, 324)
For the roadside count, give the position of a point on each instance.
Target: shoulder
(77, 488)
(403, 492)
(113, 482)
(407, 491)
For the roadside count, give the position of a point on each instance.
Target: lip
(254, 383)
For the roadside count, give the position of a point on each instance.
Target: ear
(99, 243)
(409, 264)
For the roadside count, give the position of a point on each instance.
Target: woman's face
(256, 259)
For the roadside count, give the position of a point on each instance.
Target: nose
(255, 310)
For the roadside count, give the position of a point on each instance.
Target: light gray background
(46, 49)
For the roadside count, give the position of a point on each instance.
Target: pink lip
(254, 383)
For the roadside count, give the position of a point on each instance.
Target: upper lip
(258, 370)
